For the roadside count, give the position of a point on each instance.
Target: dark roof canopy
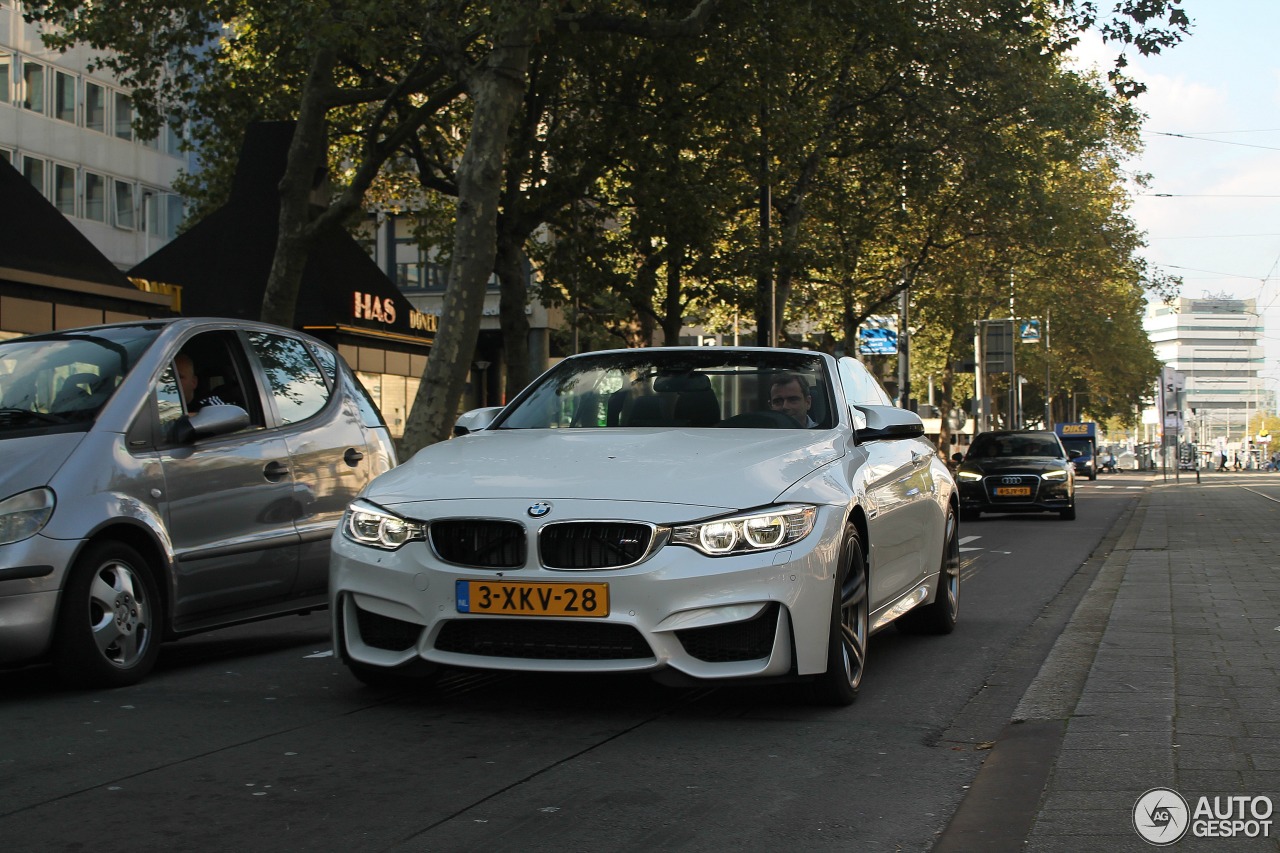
(222, 262)
(36, 238)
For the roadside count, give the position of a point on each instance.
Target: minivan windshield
(66, 377)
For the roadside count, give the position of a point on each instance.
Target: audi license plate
(1013, 491)
(510, 598)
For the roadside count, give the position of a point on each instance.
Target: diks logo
(1161, 816)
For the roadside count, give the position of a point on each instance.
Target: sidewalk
(1167, 678)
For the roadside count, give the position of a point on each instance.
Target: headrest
(682, 382)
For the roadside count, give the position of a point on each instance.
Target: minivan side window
(294, 380)
(168, 401)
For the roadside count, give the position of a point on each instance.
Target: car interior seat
(697, 408)
(75, 392)
(818, 408)
(644, 411)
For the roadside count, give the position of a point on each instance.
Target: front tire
(940, 616)
(109, 626)
(1069, 514)
(850, 628)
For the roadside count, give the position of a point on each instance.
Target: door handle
(352, 457)
(275, 471)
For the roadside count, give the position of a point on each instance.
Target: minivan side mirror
(211, 420)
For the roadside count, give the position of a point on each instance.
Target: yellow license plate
(1013, 492)
(532, 598)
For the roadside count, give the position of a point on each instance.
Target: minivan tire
(109, 625)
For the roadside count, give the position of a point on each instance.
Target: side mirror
(211, 420)
(1075, 454)
(475, 420)
(888, 423)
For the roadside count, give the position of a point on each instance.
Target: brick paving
(1183, 690)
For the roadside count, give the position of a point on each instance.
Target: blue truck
(1084, 438)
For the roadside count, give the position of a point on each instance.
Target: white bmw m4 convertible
(702, 514)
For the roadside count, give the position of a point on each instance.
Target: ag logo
(1161, 816)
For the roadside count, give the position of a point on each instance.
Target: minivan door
(230, 505)
(328, 455)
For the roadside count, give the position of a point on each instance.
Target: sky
(1211, 211)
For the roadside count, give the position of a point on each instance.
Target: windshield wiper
(27, 413)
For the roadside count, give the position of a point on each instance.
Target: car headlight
(374, 526)
(743, 534)
(968, 475)
(24, 515)
(1056, 475)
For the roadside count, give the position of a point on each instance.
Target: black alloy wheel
(850, 628)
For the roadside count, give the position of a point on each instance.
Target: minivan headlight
(743, 534)
(25, 514)
(374, 526)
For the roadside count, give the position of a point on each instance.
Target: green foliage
(940, 144)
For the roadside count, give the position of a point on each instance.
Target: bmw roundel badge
(540, 509)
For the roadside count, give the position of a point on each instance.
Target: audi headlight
(25, 514)
(968, 475)
(744, 534)
(374, 526)
(1056, 475)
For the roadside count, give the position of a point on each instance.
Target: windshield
(679, 388)
(995, 445)
(67, 377)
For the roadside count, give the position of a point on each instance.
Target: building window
(33, 171)
(122, 196)
(124, 116)
(64, 189)
(6, 155)
(64, 97)
(409, 276)
(95, 107)
(174, 214)
(95, 197)
(172, 140)
(33, 86)
(6, 77)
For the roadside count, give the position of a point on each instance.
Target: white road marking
(327, 654)
(965, 540)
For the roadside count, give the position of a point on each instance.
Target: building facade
(1216, 343)
(69, 132)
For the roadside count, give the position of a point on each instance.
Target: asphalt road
(254, 738)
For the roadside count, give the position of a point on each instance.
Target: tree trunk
(512, 317)
(672, 312)
(496, 90)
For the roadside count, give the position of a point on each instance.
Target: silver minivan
(165, 477)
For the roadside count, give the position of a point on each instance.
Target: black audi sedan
(1016, 471)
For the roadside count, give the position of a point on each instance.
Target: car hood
(31, 461)
(717, 468)
(1014, 465)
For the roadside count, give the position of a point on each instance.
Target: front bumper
(765, 614)
(31, 574)
(1046, 496)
